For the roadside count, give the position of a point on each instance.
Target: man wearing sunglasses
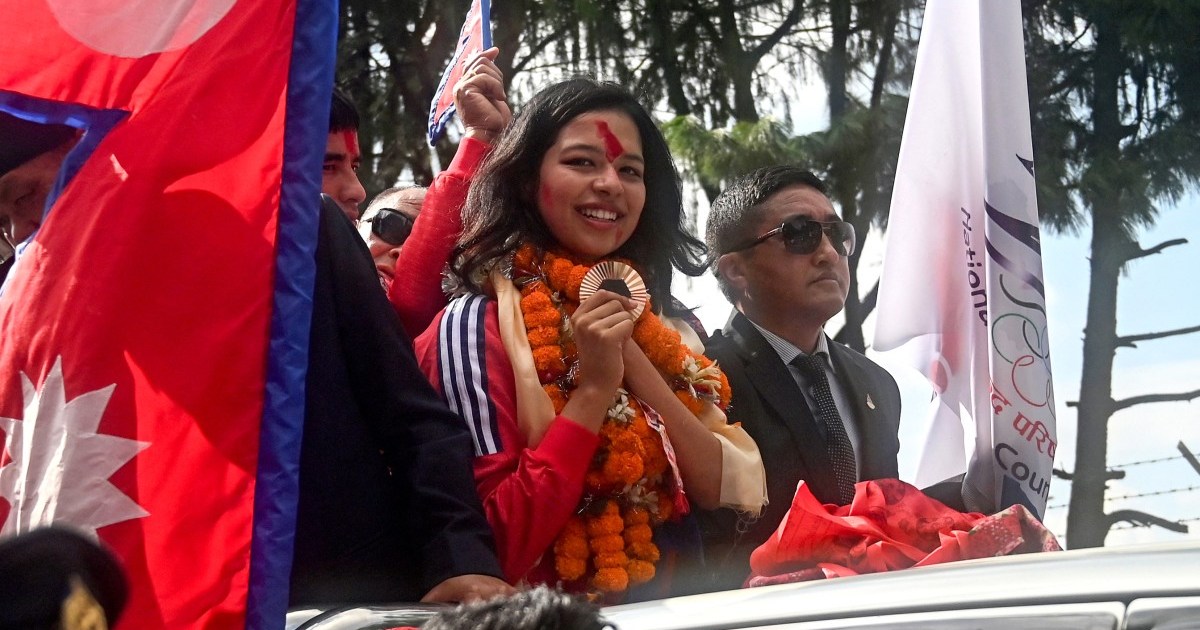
(820, 412)
(386, 224)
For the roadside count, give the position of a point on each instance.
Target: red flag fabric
(475, 36)
(889, 525)
(157, 321)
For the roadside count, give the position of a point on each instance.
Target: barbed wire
(1147, 461)
(1155, 493)
(1063, 536)
(1134, 495)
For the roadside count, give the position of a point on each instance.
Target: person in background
(339, 172)
(386, 225)
(820, 412)
(31, 155)
(386, 508)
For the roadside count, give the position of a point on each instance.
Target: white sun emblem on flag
(60, 464)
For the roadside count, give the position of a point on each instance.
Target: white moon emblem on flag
(136, 28)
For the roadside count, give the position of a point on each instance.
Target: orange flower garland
(627, 489)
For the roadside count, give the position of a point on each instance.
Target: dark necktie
(837, 442)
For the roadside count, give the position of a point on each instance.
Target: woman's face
(591, 185)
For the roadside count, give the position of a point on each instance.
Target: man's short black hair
(343, 115)
(737, 209)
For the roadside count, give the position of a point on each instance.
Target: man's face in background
(386, 225)
(339, 174)
(23, 193)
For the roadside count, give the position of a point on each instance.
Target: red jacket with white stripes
(528, 493)
(416, 291)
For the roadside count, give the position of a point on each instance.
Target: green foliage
(857, 154)
(717, 156)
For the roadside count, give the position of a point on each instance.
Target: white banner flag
(961, 297)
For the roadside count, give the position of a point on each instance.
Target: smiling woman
(597, 419)
(591, 190)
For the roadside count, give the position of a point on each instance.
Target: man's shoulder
(837, 346)
(845, 355)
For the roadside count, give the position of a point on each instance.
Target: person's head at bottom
(57, 579)
(541, 608)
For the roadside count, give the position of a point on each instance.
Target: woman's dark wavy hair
(501, 211)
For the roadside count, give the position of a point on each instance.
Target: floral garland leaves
(626, 490)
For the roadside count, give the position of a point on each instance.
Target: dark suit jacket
(388, 507)
(773, 410)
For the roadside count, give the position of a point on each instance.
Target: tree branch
(1137, 517)
(1153, 398)
(706, 23)
(1142, 253)
(783, 29)
(1062, 474)
(536, 48)
(1130, 341)
(1187, 454)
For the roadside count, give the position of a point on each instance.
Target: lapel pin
(870, 403)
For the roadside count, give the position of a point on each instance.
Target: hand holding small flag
(475, 37)
(479, 98)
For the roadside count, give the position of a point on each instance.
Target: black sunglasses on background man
(391, 225)
(802, 235)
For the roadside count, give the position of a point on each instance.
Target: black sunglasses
(802, 235)
(390, 225)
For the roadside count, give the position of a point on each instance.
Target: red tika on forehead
(351, 138)
(612, 146)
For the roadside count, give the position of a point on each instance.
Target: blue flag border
(310, 83)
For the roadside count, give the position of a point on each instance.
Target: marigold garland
(628, 490)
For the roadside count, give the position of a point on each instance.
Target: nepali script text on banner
(961, 298)
(155, 327)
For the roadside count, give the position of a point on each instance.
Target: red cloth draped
(889, 525)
